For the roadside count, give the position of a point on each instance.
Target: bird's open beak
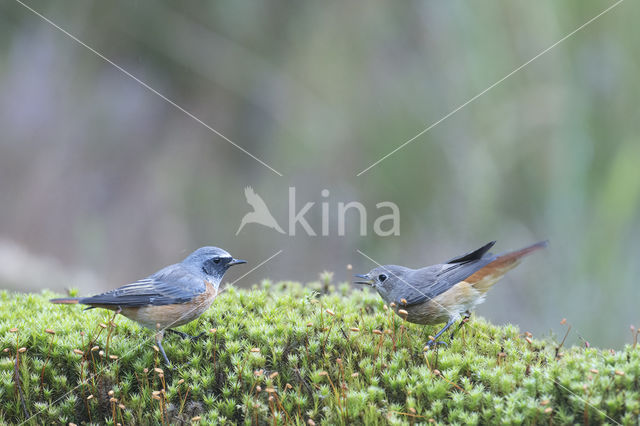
(236, 262)
(368, 281)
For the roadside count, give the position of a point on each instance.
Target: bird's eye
(382, 277)
(216, 260)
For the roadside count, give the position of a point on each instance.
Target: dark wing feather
(168, 286)
(472, 255)
(429, 282)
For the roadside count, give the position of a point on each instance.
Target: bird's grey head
(385, 279)
(211, 261)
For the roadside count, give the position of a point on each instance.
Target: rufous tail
(486, 277)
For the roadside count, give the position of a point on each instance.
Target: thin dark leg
(179, 333)
(194, 338)
(465, 319)
(164, 355)
(185, 335)
(435, 338)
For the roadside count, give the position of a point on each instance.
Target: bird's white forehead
(220, 253)
(223, 253)
(211, 252)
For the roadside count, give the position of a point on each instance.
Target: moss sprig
(283, 353)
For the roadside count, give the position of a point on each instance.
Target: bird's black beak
(368, 281)
(236, 262)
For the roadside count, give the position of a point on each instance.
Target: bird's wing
(472, 255)
(430, 282)
(255, 200)
(416, 286)
(170, 285)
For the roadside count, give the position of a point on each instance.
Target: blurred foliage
(104, 175)
(283, 353)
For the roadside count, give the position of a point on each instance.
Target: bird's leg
(465, 319)
(194, 338)
(185, 335)
(179, 333)
(435, 341)
(159, 337)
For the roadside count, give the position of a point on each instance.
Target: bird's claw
(187, 336)
(432, 343)
(195, 338)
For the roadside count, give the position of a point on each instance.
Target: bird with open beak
(446, 292)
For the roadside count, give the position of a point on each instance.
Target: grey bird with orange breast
(173, 296)
(444, 292)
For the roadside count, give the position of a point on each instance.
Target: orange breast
(174, 315)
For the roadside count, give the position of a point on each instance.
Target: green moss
(284, 353)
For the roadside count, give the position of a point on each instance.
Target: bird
(175, 295)
(445, 292)
(260, 213)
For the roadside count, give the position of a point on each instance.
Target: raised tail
(66, 300)
(486, 277)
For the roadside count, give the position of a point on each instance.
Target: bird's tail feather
(486, 277)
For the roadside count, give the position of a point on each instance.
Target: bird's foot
(185, 335)
(433, 343)
(194, 338)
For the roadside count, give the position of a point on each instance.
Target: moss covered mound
(286, 354)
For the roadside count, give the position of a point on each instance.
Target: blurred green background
(102, 182)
